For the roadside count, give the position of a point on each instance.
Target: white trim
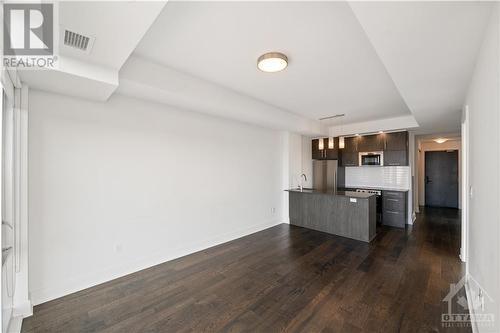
(15, 325)
(468, 295)
(21, 303)
(464, 243)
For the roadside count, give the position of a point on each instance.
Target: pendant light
(341, 142)
(321, 144)
(331, 143)
(341, 139)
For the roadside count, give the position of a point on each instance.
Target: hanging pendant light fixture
(331, 143)
(321, 144)
(341, 139)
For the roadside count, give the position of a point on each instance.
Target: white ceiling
(332, 69)
(429, 49)
(374, 61)
(117, 26)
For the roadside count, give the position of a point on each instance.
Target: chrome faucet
(302, 176)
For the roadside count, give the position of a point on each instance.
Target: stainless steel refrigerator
(325, 175)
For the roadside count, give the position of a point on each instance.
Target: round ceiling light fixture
(272, 62)
(440, 140)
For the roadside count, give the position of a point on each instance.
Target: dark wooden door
(441, 178)
(396, 141)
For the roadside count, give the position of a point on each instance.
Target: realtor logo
(28, 29)
(464, 313)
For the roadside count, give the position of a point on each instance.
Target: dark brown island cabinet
(394, 145)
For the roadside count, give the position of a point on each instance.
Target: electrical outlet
(273, 210)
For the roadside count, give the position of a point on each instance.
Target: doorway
(441, 178)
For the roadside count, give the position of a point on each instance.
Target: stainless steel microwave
(371, 158)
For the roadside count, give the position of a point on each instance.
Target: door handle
(427, 180)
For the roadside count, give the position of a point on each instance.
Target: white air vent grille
(75, 40)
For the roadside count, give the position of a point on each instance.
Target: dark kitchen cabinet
(349, 159)
(350, 145)
(317, 154)
(395, 158)
(396, 141)
(325, 153)
(368, 143)
(332, 153)
(394, 208)
(349, 154)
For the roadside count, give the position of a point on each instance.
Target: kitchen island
(343, 213)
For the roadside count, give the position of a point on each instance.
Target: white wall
(434, 146)
(484, 165)
(118, 186)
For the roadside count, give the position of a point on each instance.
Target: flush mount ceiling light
(440, 140)
(272, 62)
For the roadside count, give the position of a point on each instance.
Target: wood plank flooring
(284, 278)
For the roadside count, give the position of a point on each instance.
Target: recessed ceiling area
(369, 60)
(403, 64)
(430, 50)
(332, 67)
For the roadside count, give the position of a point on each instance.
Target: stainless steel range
(378, 193)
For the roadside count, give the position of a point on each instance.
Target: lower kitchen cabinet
(394, 208)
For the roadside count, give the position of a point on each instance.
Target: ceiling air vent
(77, 41)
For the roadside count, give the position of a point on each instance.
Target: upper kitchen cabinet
(349, 154)
(332, 153)
(396, 149)
(351, 144)
(396, 157)
(326, 153)
(368, 143)
(317, 154)
(396, 141)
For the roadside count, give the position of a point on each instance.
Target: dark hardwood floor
(281, 279)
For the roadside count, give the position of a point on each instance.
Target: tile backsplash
(388, 177)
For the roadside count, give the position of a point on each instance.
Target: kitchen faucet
(302, 176)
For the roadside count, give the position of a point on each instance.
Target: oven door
(370, 159)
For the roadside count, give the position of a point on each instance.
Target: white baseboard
(468, 294)
(23, 310)
(73, 285)
(15, 325)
